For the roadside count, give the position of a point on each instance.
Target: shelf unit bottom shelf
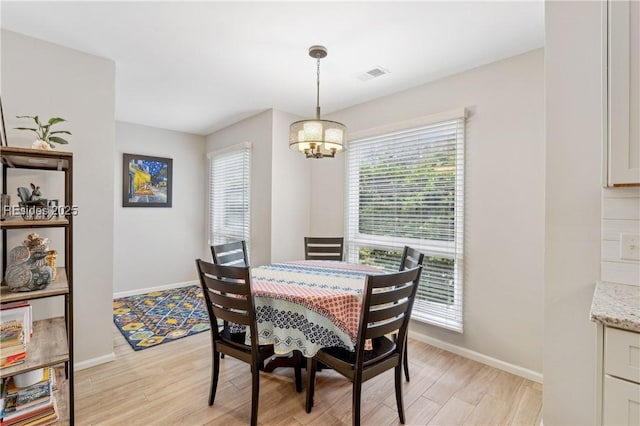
(61, 395)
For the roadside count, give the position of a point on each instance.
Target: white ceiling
(199, 66)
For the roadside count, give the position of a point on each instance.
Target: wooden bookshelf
(20, 223)
(52, 342)
(29, 158)
(62, 396)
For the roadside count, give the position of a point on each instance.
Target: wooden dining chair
(230, 254)
(386, 308)
(323, 248)
(227, 292)
(410, 259)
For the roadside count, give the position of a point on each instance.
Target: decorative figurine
(33, 198)
(24, 273)
(34, 241)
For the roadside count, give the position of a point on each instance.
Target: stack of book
(15, 332)
(33, 405)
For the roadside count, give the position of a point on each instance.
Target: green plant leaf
(43, 131)
(58, 140)
(55, 120)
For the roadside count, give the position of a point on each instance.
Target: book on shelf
(16, 329)
(17, 341)
(11, 351)
(13, 359)
(39, 416)
(43, 375)
(17, 312)
(11, 336)
(30, 405)
(11, 332)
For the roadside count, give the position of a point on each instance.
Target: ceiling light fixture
(317, 138)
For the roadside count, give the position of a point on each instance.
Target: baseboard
(477, 356)
(82, 365)
(150, 289)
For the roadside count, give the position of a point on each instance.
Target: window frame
(424, 311)
(244, 150)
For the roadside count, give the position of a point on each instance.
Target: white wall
(258, 130)
(291, 193)
(39, 78)
(573, 113)
(504, 210)
(158, 246)
(620, 214)
(281, 190)
(328, 183)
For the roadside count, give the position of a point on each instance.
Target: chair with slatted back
(410, 259)
(227, 291)
(323, 248)
(230, 254)
(386, 308)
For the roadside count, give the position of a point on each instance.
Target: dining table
(308, 305)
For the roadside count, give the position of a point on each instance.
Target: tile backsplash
(620, 215)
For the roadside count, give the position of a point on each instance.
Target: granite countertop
(616, 305)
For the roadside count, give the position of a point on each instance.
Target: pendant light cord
(318, 91)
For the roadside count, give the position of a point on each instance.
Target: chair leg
(311, 382)
(398, 373)
(406, 361)
(225, 324)
(406, 357)
(255, 392)
(297, 361)
(214, 376)
(357, 399)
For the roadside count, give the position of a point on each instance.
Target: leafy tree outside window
(406, 188)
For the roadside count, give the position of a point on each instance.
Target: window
(229, 217)
(406, 188)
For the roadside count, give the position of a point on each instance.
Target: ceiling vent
(373, 73)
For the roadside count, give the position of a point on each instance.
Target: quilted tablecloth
(308, 305)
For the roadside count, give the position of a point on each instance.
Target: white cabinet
(622, 93)
(621, 381)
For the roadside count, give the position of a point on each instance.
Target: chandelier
(317, 138)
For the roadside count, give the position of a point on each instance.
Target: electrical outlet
(630, 247)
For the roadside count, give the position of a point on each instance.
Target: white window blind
(407, 188)
(229, 195)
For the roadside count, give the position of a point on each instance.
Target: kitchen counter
(616, 305)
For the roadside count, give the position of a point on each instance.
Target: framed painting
(146, 181)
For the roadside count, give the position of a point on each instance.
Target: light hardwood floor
(169, 385)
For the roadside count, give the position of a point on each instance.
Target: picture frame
(146, 181)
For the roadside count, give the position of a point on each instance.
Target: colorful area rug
(148, 320)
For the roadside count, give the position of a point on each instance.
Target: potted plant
(46, 136)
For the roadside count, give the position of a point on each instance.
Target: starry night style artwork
(146, 181)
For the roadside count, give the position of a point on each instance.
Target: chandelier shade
(317, 138)
(314, 137)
